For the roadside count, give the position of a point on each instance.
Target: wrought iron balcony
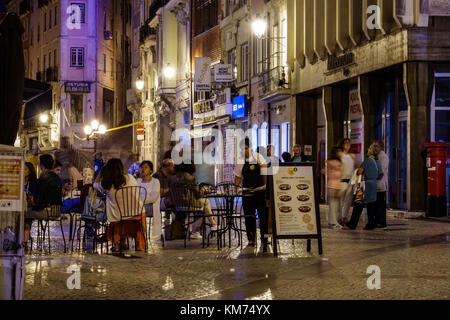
(51, 74)
(274, 85)
(154, 7)
(145, 32)
(42, 3)
(24, 7)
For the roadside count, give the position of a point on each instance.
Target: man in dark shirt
(164, 174)
(48, 192)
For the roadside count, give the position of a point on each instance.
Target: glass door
(402, 157)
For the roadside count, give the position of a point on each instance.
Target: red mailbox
(436, 165)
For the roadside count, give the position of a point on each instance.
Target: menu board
(11, 183)
(294, 201)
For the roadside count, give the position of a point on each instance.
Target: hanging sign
(223, 73)
(202, 77)
(294, 204)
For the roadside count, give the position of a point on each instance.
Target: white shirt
(254, 158)
(153, 193)
(382, 184)
(112, 208)
(348, 165)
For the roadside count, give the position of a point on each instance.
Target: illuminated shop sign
(77, 87)
(239, 107)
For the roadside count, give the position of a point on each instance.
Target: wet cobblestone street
(413, 256)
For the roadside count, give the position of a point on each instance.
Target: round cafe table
(227, 211)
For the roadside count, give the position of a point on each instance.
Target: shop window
(442, 92)
(276, 139)
(264, 136)
(442, 125)
(76, 108)
(255, 138)
(285, 137)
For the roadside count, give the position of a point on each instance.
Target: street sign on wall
(202, 77)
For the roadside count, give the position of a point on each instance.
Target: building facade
(372, 73)
(80, 48)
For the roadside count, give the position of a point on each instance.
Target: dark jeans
(357, 210)
(250, 205)
(381, 209)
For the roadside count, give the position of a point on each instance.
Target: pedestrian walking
(334, 174)
(249, 175)
(348, 166)
(371, 170)
(382, 186)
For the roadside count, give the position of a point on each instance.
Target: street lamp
(140, 84)
(259, 27)
(92, 131)
(43, 118)
(169, 72)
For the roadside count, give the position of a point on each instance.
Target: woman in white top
(348, 166)
(111, 178)
(153, 199)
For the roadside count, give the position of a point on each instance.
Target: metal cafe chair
(130, 201)
(229, 209)
(184, 205)
(53, 214)
(94, 213)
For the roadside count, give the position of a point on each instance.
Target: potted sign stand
(295, 204)
(12, 267)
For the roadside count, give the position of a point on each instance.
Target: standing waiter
(250, 175)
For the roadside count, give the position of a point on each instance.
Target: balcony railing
(51, 74)
(274, 82)
(24, 7)
(146, 32)
(42, 3)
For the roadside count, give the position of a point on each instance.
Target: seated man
(184, 176)
(48, 192)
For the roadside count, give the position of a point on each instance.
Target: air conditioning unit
(108, 35)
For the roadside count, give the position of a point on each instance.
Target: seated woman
(111, 178)
(153, 199)
(184, 175)
(47, 192)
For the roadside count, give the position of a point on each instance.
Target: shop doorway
(392, 129)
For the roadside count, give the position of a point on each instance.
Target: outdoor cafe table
(229, 214)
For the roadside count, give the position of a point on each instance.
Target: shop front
(210, 133)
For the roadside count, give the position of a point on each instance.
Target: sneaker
(196, 235)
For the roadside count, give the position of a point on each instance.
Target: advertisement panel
(202, 77)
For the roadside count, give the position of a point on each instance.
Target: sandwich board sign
(295, 204)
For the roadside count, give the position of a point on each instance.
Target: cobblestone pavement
(413, 256)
